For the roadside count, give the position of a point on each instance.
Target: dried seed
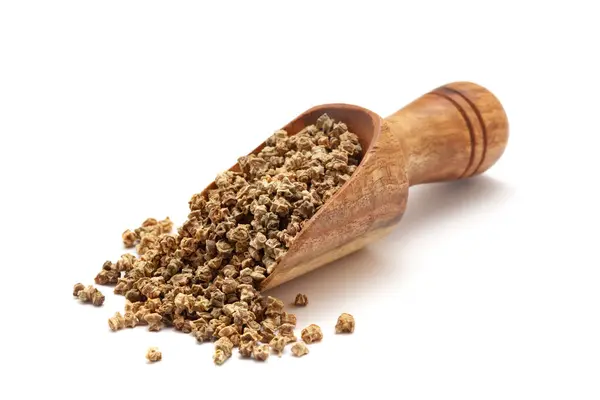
(78, 288)
(220, 357)
(345, 324)
(299, 349)
(246, 348)
(227, 331)
(129, 238)
(154, 321)
(260, 352)
(130, 320)
(286, 330)
(223, 348)
(287, 318)
(301, 300)
(153, 354)
(278, 344)
(116, 322)
(88, 294)
(274, 306)
(97, 298)
(311, 334)
(235, 339)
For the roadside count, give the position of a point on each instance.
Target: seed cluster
(205, 279)
(88, 294)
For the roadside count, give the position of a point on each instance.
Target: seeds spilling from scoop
(205, 279)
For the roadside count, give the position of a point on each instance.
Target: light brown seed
(286, 330)
(220, 357)
(116, 322)
(311, 334)
(84, 296)
(287, 318)
(223, 348)
(345, 324)
(97, 298)
(278, 344)
(299, 349)
(301, 300)
(88, 294)
(153, 354)
(78, 288)
(130, 320)
(260, 352)
(246, 348)
(129, 238)
(154, 321)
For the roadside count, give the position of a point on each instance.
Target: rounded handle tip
(486, 121)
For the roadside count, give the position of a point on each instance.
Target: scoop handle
(453, 132)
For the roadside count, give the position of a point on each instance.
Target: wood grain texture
(363, 210)
(456, 131)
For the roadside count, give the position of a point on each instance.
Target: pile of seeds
(205, 279)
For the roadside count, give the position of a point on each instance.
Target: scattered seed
(88, 294)
(301, 300)
(311, 334)
(299, 349)
(153, 354)
(345, 324)
(223, 348)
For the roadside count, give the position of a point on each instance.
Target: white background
(114, 111)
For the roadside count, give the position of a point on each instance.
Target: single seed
(78, 288)
(345, 324)
(311, 334)
(153, 354)
(97, 299)
(278, 344)
(116, 322)
(130, 320)
(129, 238)
(301, 300)
(299, 349)
(261, 352)
(223, 349)
(154, 321)
(287, 318)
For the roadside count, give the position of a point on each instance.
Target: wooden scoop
(453, 132)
